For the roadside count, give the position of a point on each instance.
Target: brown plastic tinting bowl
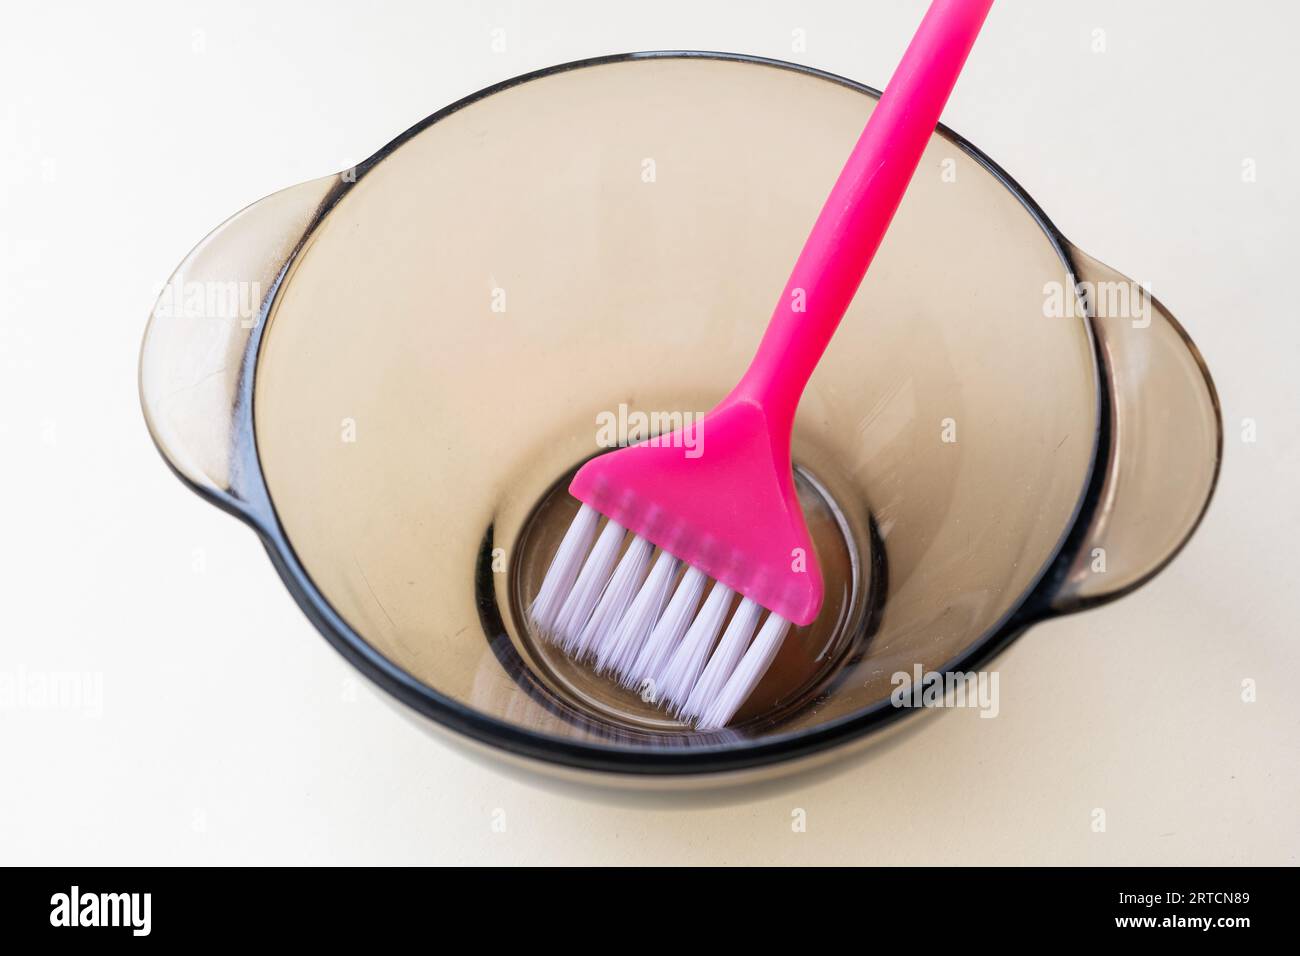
(1003, 429)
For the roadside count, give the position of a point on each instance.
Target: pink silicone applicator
(732, 513)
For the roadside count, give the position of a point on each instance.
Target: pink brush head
(731, 510)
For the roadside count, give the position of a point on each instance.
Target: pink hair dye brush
(731, 514)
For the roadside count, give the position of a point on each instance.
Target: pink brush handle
(854, 219)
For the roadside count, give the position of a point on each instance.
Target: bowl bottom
(808, 657)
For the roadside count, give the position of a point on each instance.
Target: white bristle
(618, 594)
(724, 659)
(577, 608)
(619, 651)
(667, 634)
(559, 579)
(747, 674)
(640, 628)
(688, 660)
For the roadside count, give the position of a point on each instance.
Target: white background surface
(230, 732)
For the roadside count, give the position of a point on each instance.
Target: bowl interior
(568, 251)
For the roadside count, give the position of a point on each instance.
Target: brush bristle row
(644, 625)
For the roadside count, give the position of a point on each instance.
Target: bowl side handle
(1165, 442)
(196, 348)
